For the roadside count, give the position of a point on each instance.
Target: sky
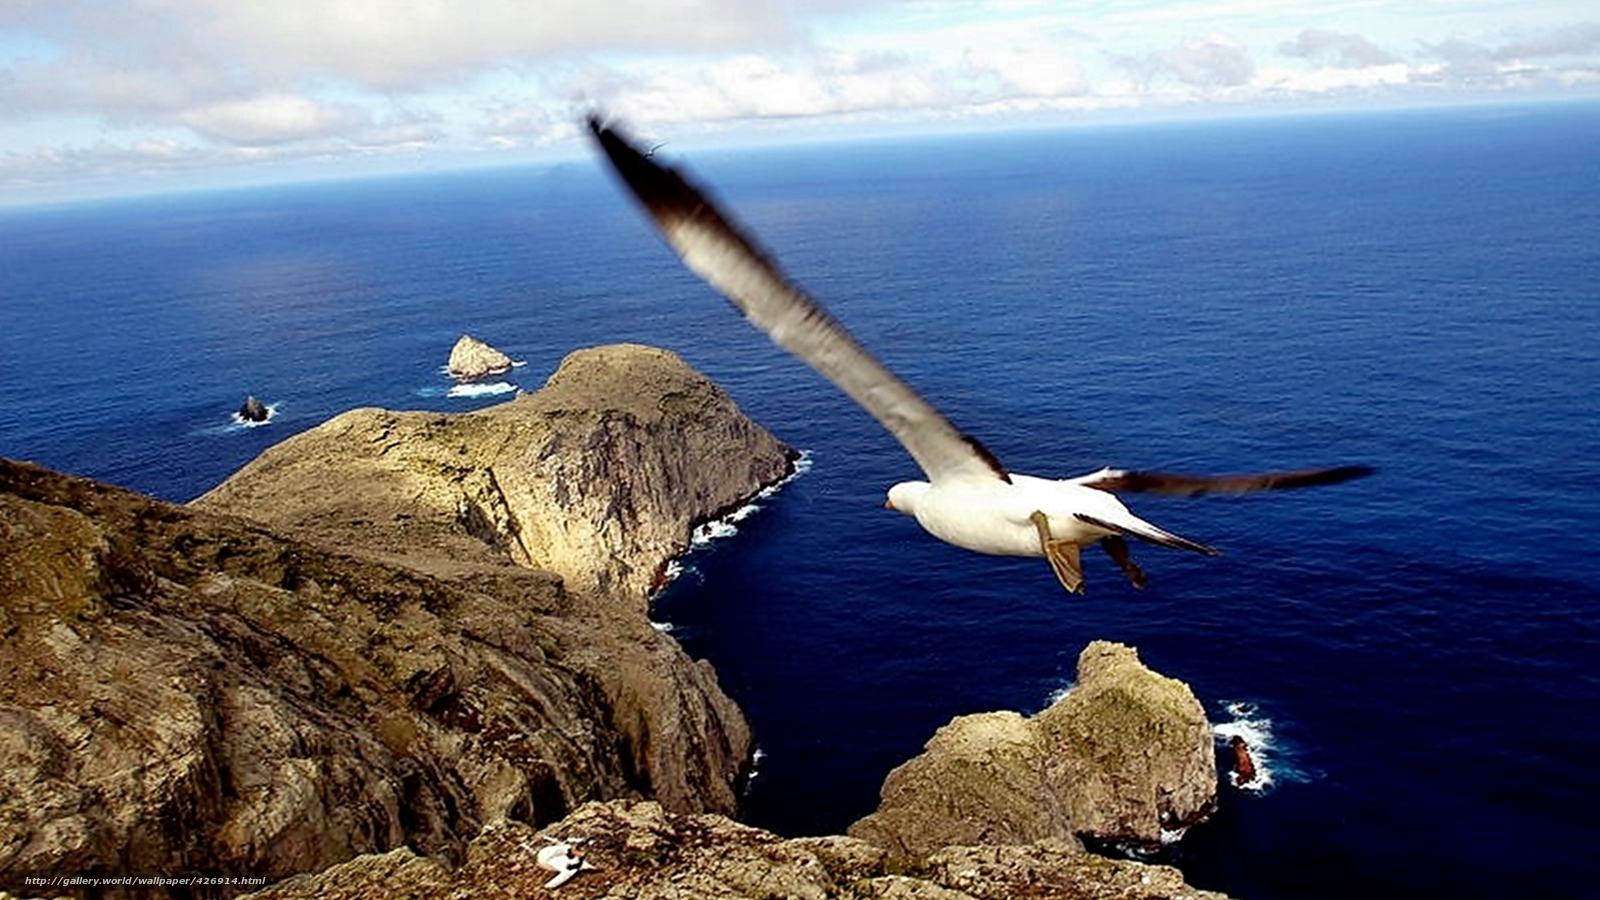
(111, 97)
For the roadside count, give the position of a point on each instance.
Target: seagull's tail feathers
(1135, 527)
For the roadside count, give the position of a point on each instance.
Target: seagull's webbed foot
(1062, 555)
(1117, 549)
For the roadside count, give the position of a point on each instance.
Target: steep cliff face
(641, 851)
(598, 477)
(1125, 754)
(370, 658)
(182, 691)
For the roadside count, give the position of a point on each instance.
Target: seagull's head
(903, 497)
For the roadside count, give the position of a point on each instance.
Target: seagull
(562, 860)
(969, 499)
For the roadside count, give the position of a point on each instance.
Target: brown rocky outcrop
(363, 665)
(471, 358)
(1123, 755)
(641, 851)
(598, 477)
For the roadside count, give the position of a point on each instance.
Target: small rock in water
(1243, 766)
(253, 410)
(471, 358)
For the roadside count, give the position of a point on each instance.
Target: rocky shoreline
(411, 648)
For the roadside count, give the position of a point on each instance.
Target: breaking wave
(1245, 720)
(728, 525)
(481, 390)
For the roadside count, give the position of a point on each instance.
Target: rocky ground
(640, 851)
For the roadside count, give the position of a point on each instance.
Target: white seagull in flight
(969, 499)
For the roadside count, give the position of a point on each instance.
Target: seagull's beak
(888, 504)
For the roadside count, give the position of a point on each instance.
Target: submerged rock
(253, 410)
(1124, 755)
(471, 358)
(639, 850)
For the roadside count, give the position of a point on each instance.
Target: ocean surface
(1415, 653)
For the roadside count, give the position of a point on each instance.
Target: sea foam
(1245, 720)
(481, 390)
(727, 526)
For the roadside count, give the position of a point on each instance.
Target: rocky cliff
(641, 851)
(1124, 755)
(471, 358)
(598, 477)
(369, 660)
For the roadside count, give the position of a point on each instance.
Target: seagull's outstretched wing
(1200, 485)
(715, 248)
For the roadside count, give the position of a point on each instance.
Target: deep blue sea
(1416, 291)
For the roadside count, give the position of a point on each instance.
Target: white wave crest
(1059, 693)
(663, 627)
(481, 390)
(1248, 723)
(706, 532)
(756, 759)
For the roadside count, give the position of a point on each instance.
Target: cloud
(1215, 61)
(1030, 72)
(1342, 51)
(272, 119)
(378, 44)
(1574, 40)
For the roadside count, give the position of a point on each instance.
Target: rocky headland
(471, 358)
(1124, 756)
(597, 477)
(407, 650)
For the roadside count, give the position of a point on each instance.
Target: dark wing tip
(988, 457)
(661, 189)
(1200, 485)
(1345, 473)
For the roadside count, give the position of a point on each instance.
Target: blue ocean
(1414, 654)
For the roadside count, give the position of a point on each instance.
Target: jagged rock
(253, 410)
(598, 477)
(471, 358)
(183, 690)
(1125, 754)
(641, 851)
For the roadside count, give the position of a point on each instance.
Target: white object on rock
(562, 860)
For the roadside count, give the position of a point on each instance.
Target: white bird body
(995, 517)
(969, 499)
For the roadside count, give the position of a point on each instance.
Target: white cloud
(204, 82)
(1213, 61)
(1343, 51)
(272, 119)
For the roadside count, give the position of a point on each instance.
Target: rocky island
(471, 358)
(408, 650)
